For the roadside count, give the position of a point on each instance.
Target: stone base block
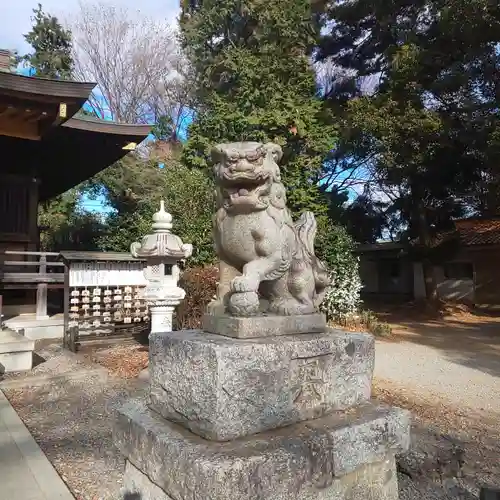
(223, 388)
(345, 456)
(38, 329)
(16, 351)
(376, 481)
(263, 325)
(138, 486)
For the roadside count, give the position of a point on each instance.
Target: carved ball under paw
(244, 304)
(242, 284)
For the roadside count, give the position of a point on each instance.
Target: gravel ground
(71, 422)
(453, 392)
(426, 369)
(454, 452)
(455, 447)
(71, 419)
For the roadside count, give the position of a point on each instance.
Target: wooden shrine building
(47, 148)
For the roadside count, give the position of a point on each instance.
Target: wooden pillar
(34, 233)
(41, 292)
(34, 246)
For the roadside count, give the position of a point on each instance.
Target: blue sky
(16, 15)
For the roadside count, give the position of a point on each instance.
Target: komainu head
(245, 173)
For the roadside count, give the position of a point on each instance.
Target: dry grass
(200, 284)
(125, 362)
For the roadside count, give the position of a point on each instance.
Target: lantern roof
(161, 242)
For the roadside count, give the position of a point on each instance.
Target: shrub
(334, 246)
(189, 197)
(365, 320)
(368, 318)
(200, 284)
(381, 330)
(373, 325)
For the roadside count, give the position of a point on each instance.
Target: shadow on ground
(472, 341)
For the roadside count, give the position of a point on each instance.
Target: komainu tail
(306, 228)
(306, 231)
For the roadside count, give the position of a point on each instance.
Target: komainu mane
(267, 261)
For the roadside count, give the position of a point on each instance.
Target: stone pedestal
(161, 316)
(16, 351)
(162, 302)
(273, 418)
(263, 326)
(347, 455)
(223, 388)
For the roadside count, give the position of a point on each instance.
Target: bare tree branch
(134, 60)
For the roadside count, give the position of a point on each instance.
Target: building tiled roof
(478, 231)
(467, 232)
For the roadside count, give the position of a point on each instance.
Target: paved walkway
(25, 472)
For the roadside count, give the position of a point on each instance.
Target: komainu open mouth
(242, 187)
(247, 194)
(241, 192)
(245, 178)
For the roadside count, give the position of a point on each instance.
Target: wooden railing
(40, 270)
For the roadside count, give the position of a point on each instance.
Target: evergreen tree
(255, 81)
(133, 188)
(51, 56)
(429, 127)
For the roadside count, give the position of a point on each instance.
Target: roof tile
(478, 231)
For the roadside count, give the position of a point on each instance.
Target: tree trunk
(430, 281)
(424, 236)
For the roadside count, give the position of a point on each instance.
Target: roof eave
(30, 85)
(108, 127)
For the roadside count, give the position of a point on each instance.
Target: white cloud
(16, 15)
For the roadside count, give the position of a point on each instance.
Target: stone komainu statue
(267, 261)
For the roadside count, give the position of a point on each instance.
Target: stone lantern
(162, 251)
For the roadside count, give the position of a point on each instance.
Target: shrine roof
(90, 124)
(43, 136)
(14, 84)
